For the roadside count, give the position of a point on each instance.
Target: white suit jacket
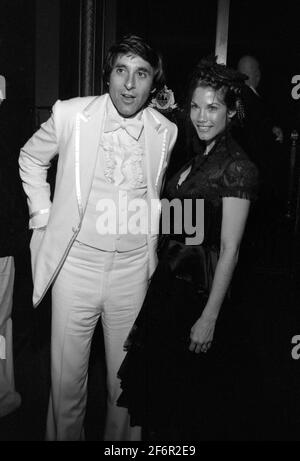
(74, 132)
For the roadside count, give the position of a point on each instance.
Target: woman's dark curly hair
(208, 73)
(133, 44)
(228, 82)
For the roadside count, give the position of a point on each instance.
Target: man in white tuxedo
(88, 243)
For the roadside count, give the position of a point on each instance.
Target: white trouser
(92, 283)
(9, 398)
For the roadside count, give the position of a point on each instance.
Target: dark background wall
(47, 65)
(17, 57)
(17, 64)
(186, 32)
(183, 33)
(269, 31)
(69, 27)
(40, 50)
(40, 44)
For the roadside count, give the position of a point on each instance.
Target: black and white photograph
(149, 223)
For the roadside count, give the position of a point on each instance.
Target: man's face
(130, 83)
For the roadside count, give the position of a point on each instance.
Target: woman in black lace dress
(174, 374)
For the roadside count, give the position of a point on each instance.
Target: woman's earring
(240, 110)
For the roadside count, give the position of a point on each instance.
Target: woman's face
(208, 113)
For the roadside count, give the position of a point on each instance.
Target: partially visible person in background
(262, 138)
(249, 65)
(260, 131)
(13, 235)
(9, 229)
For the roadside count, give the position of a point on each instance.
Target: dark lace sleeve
(240, 180)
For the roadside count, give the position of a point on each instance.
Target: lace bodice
(225, 172)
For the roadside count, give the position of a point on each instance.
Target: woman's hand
(202, 333)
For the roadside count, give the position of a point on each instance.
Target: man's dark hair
(135, 45)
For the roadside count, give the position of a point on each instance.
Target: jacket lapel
(89, 124)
